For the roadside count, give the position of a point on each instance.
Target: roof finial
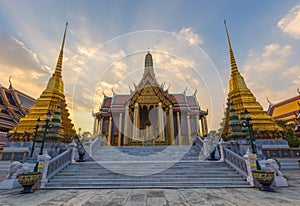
(269, 101)
(60, 57)
(233, 65)
(298, 90)
(9, 80)
(148, 49)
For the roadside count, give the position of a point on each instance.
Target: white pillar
(44, 179)
(188, 123)
(135, 122)
(251, 165)
(179, 128)
(100, 126)
(120, 129)
(95, 127)
(171, 122)
(126, 125)
(73, 146)
(109, 131)
(161, 123)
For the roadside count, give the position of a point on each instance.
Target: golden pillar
(109, 131)
(179, 129)
(205, 126)
(197, 124)
(95, 127)
(161, 131)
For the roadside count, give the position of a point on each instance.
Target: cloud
(290, 24)
(269, 73)
(17, 60)
(190, 35)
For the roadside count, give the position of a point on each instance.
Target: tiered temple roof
(13, 106)
(285, 110)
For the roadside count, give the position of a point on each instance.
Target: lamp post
(48, 115)
(35, 135)
(248, 124)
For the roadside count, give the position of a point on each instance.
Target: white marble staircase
(147, 167)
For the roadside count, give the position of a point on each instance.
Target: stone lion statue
(15, 169)
(272, 164)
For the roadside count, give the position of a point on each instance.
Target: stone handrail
(199, 142)
(95, 144)
(236, 162)
(59, 162)
(14, 154)
(281, 152)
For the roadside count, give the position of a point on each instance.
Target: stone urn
(265, 178)
(27, 180)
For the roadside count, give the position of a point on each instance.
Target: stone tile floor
(156, 197)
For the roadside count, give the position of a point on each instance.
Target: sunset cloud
(270, 74)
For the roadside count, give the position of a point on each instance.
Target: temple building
(14, 104)
(242, 98)
(285, 110)
(149, 115)
(52, 99)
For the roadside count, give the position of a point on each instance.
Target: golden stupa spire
(234, 68)
(51, 96)
(236, 80)
(243, 98)
(58, 68)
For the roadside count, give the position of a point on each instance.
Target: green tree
(288, 129)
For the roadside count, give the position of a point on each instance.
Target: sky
(107, 40)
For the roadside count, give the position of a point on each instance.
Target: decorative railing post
(73, 146)
(221, 146)
(44, 179)
(251, 165)
(205, 147)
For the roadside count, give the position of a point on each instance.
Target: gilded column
(126, 125)
(197, 124)
(95, 127)
(160, 123)
(109, 131)
(171, 122)
(205, 126)
(120, 129)
(135, 121)
(202, 127)
(179, 128)
(188, 124)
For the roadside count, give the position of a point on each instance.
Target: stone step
(147, 167)
(289, 163)
(143, 185)
(158, 175)
(147, 180)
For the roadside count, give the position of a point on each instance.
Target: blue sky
(265, 38)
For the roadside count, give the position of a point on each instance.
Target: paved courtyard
(156, 197)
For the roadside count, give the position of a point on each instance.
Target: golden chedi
(263, 125)
(51, 97)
